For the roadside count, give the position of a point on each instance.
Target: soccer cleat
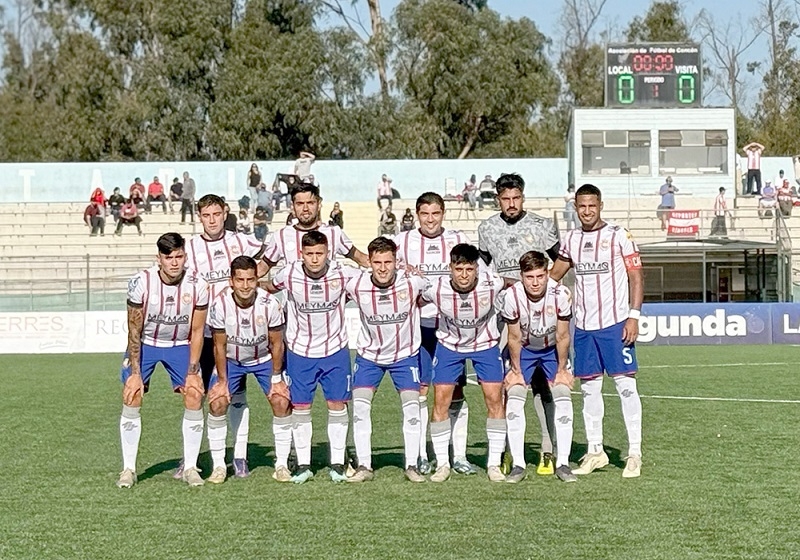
(240, 469)
(591, 462)
(192, 477)
(506, 463)
(178, 474)
(517, 474)
(633, 467)
(337, 473)
(218, 475)
(441, 474)
(546, 465)
(462, 466)
(362, 474)
(412, 474)
(565, 474)
(127, 478)
(303, 474)
(423, 466)
(282, 474)
(495, 474)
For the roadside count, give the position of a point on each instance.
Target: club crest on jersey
(335, 284)
(234, 250)
(230, 320)
(187, 298)
(605, 244)
(550, 310)
(529, 239)
(260, 320)
(483, 301)
(402, 295)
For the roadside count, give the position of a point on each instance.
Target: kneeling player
(167, 308)
(389, 341)
(466, 301)
(537, 311)
(247, 326)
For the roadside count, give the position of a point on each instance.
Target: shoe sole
(631, 475)
(126, 485)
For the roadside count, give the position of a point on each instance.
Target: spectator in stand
(137, 193)
(155, 193)
(95, 217)
(768, 201)
(302, 165)
(260, 224)
(570, 213)
(407, 221)
(115, 202)
(753, 152)
(243, 224)
(311, 179)
(385, 190)
(336, 216)
(253, 181)
(487, 192)
(291, 218)
(264, 200)
(785, 198)
(281, 190)
(667, 192)
(187, 197)
(230, 219)
(388, 225)
(719, 227)
(175, 193)
(129, 216)
(471, 193)
(98, 196)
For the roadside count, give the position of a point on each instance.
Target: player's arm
(134, 387)
(220, 389)
(514, 376)
(193, 380)
(636, 283)
(563, 375)
(276, 347)
(553, 251)
(360, 258)
(560, 267)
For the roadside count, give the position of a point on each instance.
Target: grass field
(718, 479)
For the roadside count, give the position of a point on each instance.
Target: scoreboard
(653, 75)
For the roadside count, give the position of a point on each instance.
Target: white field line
(688, 366)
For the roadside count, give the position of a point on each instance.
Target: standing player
(428, 250)
(317, 351)
(167, 308)
(503, 239)
(538, 311)
(248, 338)
(466, 302)
(609, 290)
(210, 255)
(389, 341)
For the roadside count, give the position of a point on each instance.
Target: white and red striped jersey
(247, 327)
(286, 243)
(212, 259)
(467, 321)
(389, 317)
(537, 319)
(753, 158)
(601, 259)
(431, 256)
(315, 325)
(168, 308)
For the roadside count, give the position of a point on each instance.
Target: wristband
(276, 378)
(634, 314)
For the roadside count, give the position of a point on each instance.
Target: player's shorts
(237, 374)
(405, 374)
(427, 351)
(546, 359)
(448, 365)
(331, 372)
(175, 360)
(602, 351)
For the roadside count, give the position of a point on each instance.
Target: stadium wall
(661, 324)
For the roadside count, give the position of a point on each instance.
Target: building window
(616, 152)
(693, 152)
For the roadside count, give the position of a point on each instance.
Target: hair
(510, 181)
(314, 238)
(533, 260)
(210, 200)
(430, 198)
(306, 188)
(571, 186)
(382, 245)
(175, 179)
(170, 242)
(137, 179)
(243, 262)
(588, 190)
(464, 253)
(722, 189)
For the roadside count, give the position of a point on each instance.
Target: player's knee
(518, 392)
(560, 392)
(336, 405)
(409, 396)
(219, 407)
(281, 406)
(626, 386)
(363, 394)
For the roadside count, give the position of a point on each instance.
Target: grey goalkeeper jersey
(506, 243)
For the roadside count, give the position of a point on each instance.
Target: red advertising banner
(683, 223)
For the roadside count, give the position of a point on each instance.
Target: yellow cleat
(546, 466)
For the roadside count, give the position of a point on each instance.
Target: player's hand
(219, 391)
(513, 377)
(630, 332)
(134, 387)
(279, 390)
(564, 377)
(194, 384)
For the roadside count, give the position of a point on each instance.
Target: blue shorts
(602, 351)
(332, 372)
(546, 359)
(404, 374)
(175, 360)
(448, 366)
(237, 374)
(427, 351)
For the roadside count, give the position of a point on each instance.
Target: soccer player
(428, 250)
(609, 290)
(537, 311)
(466, 302)
(317, 351)
(503, 239)
(167, 307)
(389, 341)
(247, 325)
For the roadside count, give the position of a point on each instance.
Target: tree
(582, 58)
(663, 22)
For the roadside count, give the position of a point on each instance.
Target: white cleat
(218, 475)
(441, 474)
(282, 474)
(633, 467)
(591, 462)
(495, 474)
(127, 479)
(192, 477)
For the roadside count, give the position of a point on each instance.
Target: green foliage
(663, 21)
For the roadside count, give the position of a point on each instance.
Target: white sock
(410, 403)
(564, 419)
(496, 436)
(440, 438)
(459, 426)
(282, 431)
(423, 427)
(217, 433)
(631, 412)
(338, 423)
(593, 411)
(302, 432)
(362, 425)
(542, 408)
(515, 423)
(239, 414)
(130, 430)
(192, 437)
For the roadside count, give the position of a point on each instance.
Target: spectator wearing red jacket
(95, 217)
(155, 191)
(137, 193)
(98, 196)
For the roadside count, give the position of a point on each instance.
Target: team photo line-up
(428, 301)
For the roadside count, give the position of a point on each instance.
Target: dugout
(716, 270)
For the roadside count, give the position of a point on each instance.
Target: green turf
(718, 478)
